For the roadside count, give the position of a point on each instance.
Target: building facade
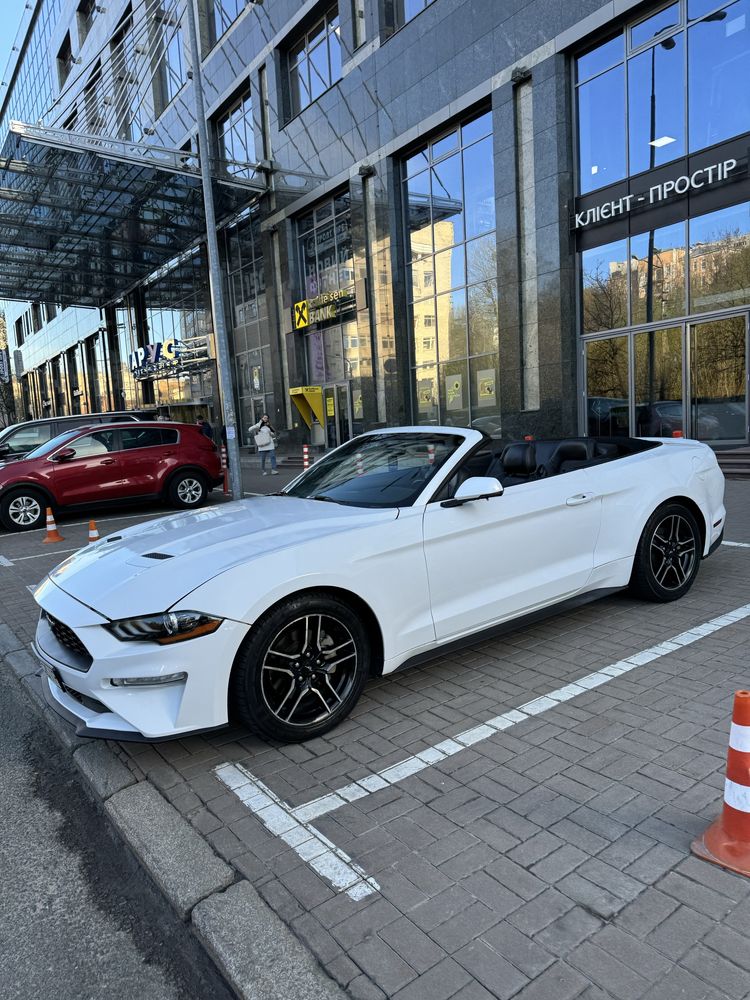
(530, 218)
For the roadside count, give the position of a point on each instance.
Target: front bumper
(87, 699)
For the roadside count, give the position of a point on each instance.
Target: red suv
(109, 463)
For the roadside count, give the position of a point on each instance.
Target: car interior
(520, 462)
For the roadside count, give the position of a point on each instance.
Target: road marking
(738, 545)
(258, 798)
(54, 552)
(31, 587)
(323, 857)
(5, 562)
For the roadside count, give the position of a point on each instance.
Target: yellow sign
(330, 409)
(309, 401)
(301, 315)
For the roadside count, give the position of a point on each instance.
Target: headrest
(568, 451)
(520, 458)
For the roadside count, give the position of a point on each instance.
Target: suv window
(26, 438)
(147, 437)
(91, 445)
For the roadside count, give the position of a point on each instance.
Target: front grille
(67, 637)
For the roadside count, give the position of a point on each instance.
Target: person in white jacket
(265, 442)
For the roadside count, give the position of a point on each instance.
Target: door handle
(107, 461)
(579, 499)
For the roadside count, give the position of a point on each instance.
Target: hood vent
(113, 538)
(157, 555)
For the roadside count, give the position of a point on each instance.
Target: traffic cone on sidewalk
(727, 841)
(53, 535)
(93, 532)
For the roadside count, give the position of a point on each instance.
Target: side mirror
(476, 488)
(64, 455)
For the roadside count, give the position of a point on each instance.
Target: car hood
(150, 567)
(18, 462)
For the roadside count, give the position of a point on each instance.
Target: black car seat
(569, 456)
(518, 464)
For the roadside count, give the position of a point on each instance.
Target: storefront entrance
(337, 402)
(686, 379)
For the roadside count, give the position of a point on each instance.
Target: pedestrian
(163, 414)
(205, 427)
(265, 442)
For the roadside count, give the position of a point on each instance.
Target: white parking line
(5, 562)
(258, 798)
(51, 552)
(738, 545)
(310, 844)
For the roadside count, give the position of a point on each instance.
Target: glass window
(454, 390)
(603, 57)
(483, 319)
(147, 437)
(485, 397)
(25, 438)
(86, 12)
(449, 267)
(657, 274)
(604, 273)
(314, 62)
(655, 25)
(601, 130)
(64, 60)
(480, 193)
(607, 391)
(225, 13)
(93, 445)
(447, 200)
(234, 132)
(451, 323)
(718, 59)
(405, 10)
(381, 470)
(656, 104)
(658, 382)
(477, 128)
(720, 259)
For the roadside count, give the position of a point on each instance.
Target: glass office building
(428, 213)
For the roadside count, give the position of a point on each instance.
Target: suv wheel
(187, 490)
(22, 510)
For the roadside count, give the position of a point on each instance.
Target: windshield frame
(465, 438)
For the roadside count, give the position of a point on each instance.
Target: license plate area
(54, 675)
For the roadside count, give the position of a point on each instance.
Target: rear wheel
(668, 554)
(22, 510)
(302, 670)
(187, 489)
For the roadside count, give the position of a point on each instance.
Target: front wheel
(187, 489)
(302, 670)
(668, 555)
(22, 510)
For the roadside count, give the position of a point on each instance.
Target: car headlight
(172, 626)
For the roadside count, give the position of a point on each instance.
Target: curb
(255, 951)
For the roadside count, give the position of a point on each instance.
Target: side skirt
(493, 631)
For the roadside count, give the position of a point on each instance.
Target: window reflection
(658, 382)
(657, 274)
(601, 124)
(607, 387)
(720, 259)
(656, 97)
(605, 290)
(718, 67)
(603, 57)
(655, 25)
(718, 378)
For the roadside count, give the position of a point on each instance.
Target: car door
(147, 454)
(93, 474)
(490, 560)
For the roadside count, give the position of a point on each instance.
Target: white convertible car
(275, 610)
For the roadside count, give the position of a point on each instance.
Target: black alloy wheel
(302, 669)
(668, 554)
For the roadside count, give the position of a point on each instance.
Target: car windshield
(55, 442)
(377, 470)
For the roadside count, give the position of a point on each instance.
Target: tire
(668, 555)
(284, 685)
(23, 509)
(187, 490)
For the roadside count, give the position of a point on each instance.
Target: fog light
(147, 681)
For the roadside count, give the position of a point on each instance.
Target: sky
(12, 10)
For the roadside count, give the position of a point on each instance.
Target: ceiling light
(663, 140)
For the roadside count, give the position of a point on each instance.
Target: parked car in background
(18, 440)
(109, 463)
(664, 418)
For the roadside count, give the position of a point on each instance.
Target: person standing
(265, 442)
(205, 427)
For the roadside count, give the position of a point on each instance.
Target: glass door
(338, 414)
(657, 359)
(718, 380)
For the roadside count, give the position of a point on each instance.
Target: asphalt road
(78, 919)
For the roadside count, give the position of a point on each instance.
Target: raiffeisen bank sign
(651, 195)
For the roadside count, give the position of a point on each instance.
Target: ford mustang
(277, 609)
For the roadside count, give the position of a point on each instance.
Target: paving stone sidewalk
(550, 861)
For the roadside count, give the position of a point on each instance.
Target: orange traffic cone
(53, 535)
(93, 531)
(727, 841)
